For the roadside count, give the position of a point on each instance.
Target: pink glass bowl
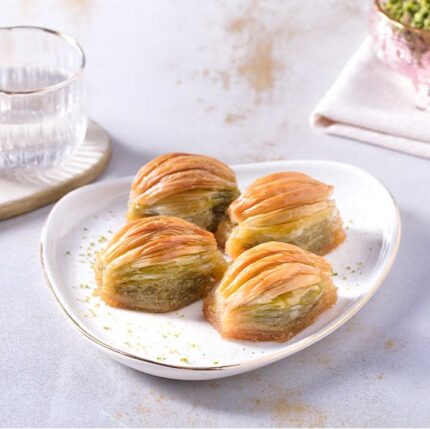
(405, 49)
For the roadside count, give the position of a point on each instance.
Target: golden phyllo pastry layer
(158, 264)
(270, 293)
(288, 207)
(196, 188)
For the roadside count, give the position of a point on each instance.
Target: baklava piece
(289, 207)
(158, 264)
(196, 188)
(270, 293)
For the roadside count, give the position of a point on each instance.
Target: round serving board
(28, 192)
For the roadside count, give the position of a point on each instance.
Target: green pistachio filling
(201, 207)
(312, 233)
(284, 308)
(167, 293)
(415, 13)
(165, 286)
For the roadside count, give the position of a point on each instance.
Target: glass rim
(69, 39)
(397, 24)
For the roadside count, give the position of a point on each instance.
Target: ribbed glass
(42, 112)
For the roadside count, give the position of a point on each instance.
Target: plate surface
(182, 344)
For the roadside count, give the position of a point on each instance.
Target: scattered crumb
(143, 409)
(389, 344)
(236, 25)
(231, 118)
(287, 409)
(298, 413)
(392, 345)
(160, 398)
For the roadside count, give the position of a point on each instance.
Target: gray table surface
(236, 80)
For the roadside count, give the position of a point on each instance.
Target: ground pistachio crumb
(415, 13)
(184, 360)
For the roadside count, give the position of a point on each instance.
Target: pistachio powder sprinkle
(415, 13)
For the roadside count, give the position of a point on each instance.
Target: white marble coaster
(25, 193)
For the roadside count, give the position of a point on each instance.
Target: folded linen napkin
(371, 103)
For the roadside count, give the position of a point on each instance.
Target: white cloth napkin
(371, 103)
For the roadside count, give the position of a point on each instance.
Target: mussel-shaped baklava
(196, 188)
(270, 293)
(288, 207)
(158, 264)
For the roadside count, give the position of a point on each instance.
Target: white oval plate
(182, 344)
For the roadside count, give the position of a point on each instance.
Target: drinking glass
(403, 48)
(42, 113)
